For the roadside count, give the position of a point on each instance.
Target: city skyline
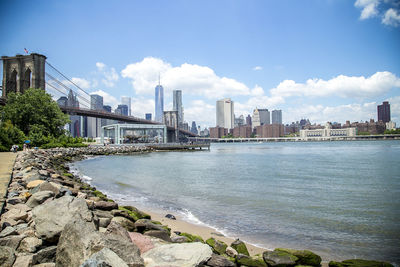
(336, 66)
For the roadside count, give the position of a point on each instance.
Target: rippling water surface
(340, 199)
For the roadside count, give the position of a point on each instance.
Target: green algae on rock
(306, 257)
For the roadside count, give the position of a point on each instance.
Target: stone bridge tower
(22, 72)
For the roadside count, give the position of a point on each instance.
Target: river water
(339, 199)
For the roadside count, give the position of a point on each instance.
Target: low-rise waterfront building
(328, 131)
(390, 125)
(218, 132)
(270, 130)
(242, 131)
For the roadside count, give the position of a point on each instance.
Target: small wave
(86, 178)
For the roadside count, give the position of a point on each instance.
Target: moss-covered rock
(240, 247)
(70, 175)
(255, 261)
(218, 247)
(306, 257)
(100, 195)
(192, 238)
(279, 258)
(135, 213)
(359, 263)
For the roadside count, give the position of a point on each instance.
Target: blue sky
(326, 60)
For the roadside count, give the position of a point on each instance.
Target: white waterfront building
(328, 132)
(225, 113)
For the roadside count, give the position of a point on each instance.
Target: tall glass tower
(177, 104)
(159, 100)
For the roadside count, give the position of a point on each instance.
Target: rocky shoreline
(52, 218)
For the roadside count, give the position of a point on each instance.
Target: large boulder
(240, 247)
(104, 258)
(45, 255)
(79, 240)
(359, 263)
(250, 261)
(7, 256)
(178, 255)
(279, 258)
(143, 225)
(124, 222)
(305, 257)
(105, 205)
(50, 218)
(38, 198)
(47, 186)
(219, 261)
(159, 234)
(29, 244)
(218, 247)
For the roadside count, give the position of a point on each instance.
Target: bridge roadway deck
(112, 116)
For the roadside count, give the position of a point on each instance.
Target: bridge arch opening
(27, 80)
(12, 82)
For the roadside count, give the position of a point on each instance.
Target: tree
(34, 111)
(10, 135)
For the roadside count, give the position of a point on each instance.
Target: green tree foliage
(393, 131)
(10, 135)
(36, 112)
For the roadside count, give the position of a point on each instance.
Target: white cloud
(395, 109)
(391, 17)
(82, 83)
(369, 8)
(200, 112)
(109, 75)
(107, 98)
(100, 66)
(257, 102)
(321, 114)
(191, 78)
(343, 86)
(141, 106)
(257, 68)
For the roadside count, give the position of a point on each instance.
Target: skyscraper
(75, 124)
(194, 128)
(94, 124)
(260, 117)
(276, 116)
(159, 101)
(384, 112)
(177, 105)
(225, 113)
(126, 100)
(122, 110)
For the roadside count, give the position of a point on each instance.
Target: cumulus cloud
(100, 66)
(109, 75)
(257, 68)
(200, 112)
(369, 8)
(341, 113)
(82, 83)
(107, 98)
(343, 86)
(191, 78)
(141, 106)
(391, 17)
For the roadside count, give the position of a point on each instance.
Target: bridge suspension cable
(80, 93)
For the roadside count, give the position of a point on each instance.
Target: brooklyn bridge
(21, 72)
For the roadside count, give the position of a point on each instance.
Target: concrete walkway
(6, 164)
